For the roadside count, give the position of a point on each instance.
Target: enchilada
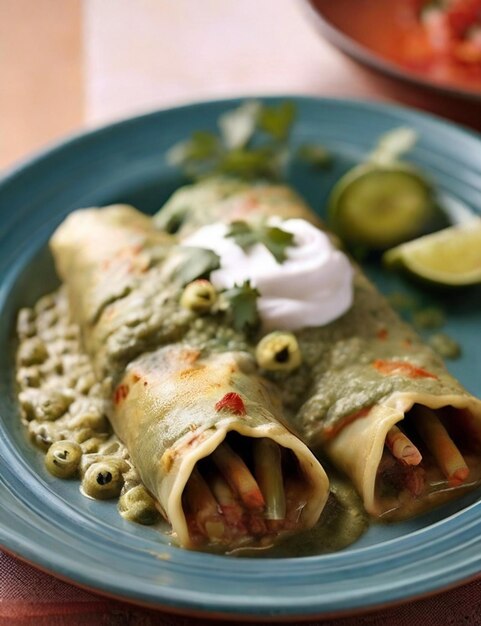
(376, 399)
(197, 418)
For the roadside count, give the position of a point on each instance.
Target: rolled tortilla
(219, 199)
(111, 261)
(171, 411)
(371, 372)
(176, 404)
(122, 247)
(363, 374)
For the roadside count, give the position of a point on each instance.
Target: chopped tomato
(121, 393)
(231, 402)
(403, 368)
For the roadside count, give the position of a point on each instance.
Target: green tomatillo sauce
(64, 407)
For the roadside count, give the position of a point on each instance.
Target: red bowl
(367, 31)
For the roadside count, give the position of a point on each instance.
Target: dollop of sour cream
(312, 287)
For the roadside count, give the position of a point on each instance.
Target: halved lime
(378, 206)
(450, 257)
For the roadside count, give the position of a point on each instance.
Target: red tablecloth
(31, 598)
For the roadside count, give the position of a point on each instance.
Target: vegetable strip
(268, 471)
(402, 448)
(232, 510)
(237, 474)
(441, 446)
(203, 506)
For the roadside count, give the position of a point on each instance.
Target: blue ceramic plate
(47, 522)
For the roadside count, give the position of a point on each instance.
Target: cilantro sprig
(241, 302)
(252, 143)
(273, 238)
(189, 263)
(315, 155)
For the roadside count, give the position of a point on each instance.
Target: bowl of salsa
(436, 43)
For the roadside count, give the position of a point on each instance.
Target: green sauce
(342, 522)
(445, 345)
(61, 400)
(339, 378)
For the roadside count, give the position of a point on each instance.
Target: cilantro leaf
(251, 144)
(237, 126)
(276, 241)
(198, 154)
(251, 163)
(315, 155)
(242, 301)
(392, 145)
(277, 121)
(189, 263)
(243, 234)
(273, 238)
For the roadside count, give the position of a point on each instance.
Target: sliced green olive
(199, 296)
(278, 352)
(137, 505)
(63, 458)
(103, 480)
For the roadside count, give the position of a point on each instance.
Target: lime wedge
(379, 206)
(450, 257)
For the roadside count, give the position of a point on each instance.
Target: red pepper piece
(121, 393)
(389, 368)
(231, 402)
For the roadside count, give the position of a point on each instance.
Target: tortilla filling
(247, 491)
(428, 454)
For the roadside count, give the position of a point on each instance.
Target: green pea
(71, 332)
(45, 303)
(278, 352)
(63, 458)
(137, 505)
(28, 401)
(26, 323)
(103, 480)
(43, 435)
(111, 448)
(32, 352)
(92, 444)
(46, 319)
(29, 376)
(85, 382)
(85, 416)
(52, 405)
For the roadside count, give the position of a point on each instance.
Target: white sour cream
(312, 287)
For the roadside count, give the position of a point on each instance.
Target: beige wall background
(41, 82)
(162, 52)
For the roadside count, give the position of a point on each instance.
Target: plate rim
(8, 174)
(70, 143)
